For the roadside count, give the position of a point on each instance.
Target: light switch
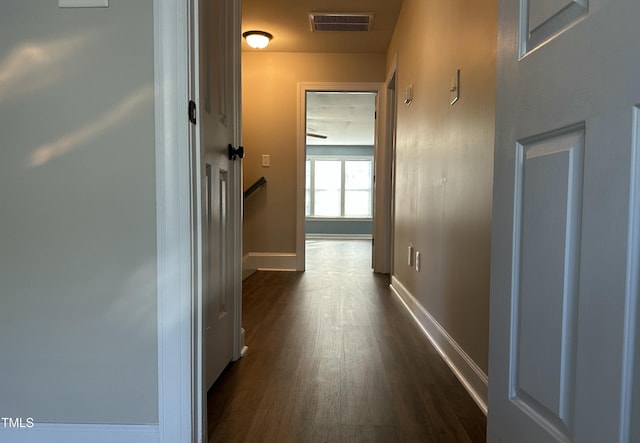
(266, 160)
(83, 3)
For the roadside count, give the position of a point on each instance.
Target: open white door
(564, 266)
(217, 192)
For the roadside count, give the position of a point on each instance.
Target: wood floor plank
(334, 357)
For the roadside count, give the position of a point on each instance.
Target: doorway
(340, 140)
(338, 145)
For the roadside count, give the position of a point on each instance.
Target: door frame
(181, 397)
(379, 153)
(388, 170)
(176, 399)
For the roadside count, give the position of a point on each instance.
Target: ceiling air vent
(340, 21)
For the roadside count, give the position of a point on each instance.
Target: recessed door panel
(223, 241)
(542, 20)
(545, 303)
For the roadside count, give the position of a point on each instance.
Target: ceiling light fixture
(257, 39)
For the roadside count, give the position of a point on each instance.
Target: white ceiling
(344, 118)
(288, 21)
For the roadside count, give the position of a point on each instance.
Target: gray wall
(78, 315)
(340, 227)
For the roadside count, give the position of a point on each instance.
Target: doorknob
(235, 153)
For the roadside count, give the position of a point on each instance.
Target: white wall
(78, 314)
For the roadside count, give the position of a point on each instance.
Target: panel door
(564, 267)
(216, 120)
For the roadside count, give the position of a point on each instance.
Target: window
(339, 187)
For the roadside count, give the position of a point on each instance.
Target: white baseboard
(270, 261)
(81, 433)
(465, 369)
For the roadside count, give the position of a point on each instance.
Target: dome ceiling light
(257, 39)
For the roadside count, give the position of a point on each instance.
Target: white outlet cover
(83, 3)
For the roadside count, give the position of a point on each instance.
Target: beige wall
(269, 126)
(445, 162)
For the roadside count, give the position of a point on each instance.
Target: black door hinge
(192, 111)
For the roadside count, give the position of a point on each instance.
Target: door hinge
(192, 111)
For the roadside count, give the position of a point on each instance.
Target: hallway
(334, 357)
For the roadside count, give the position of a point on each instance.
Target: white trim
(465, 369)
(81, 433)
(303, 87)
(270, 261)
(176, 413)
(239, 348)
(631, 286)
(384, 210)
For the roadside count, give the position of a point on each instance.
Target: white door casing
(381, 220)
(388, 169)
(564, 267)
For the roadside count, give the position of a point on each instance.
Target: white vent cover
(341, 21)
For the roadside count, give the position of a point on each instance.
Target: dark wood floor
(334, 357)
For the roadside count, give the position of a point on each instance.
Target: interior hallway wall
(445, 162)
(269, 126)
(78, 314)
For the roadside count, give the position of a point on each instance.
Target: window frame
(310, 191)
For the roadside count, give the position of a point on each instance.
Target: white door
(564, 265)
(217, 118)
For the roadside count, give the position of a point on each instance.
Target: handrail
(254, 187)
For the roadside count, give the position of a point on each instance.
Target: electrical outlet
(410, 256)
(418, 261)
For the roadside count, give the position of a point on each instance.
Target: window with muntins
(339, 187)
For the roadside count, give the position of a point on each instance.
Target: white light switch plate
(83, 3)
(266, 160)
